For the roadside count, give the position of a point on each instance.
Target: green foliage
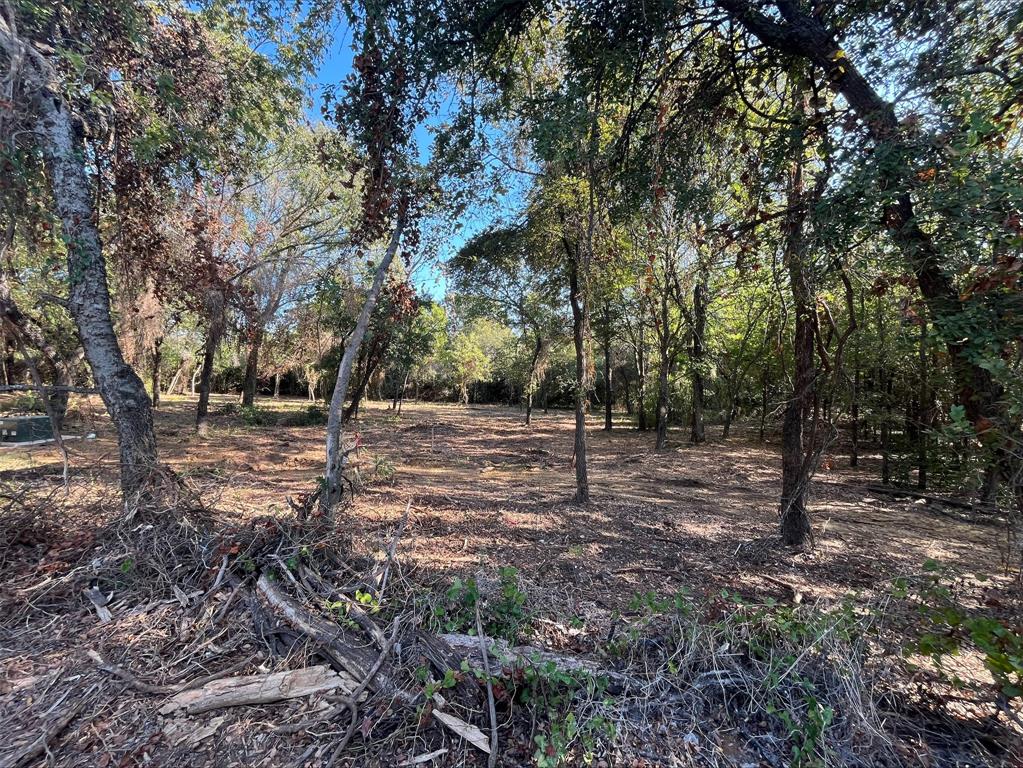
(252, 416)
(502, 615)
(950, 627)
(383, 468)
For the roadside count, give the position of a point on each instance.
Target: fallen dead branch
(356, 660)
(524, 655)
(162, 690)
(35, 749)
(257, 689)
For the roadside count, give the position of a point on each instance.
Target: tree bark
(663, 371)
(923, 412)
(121, 389)
(214, 333)
(579, 330)
(333, 487)
(641, 415)
(404, 386)
(763, 405)
(157, 360)
(698, 432)
(796, 455)
(251, 382)
(800, 34)
(608, 373)
(531, 382)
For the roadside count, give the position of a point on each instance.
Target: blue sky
(428, 276)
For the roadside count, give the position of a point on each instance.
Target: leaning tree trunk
(333, 484)
(122, 390)
(252, 367)
(579, 329)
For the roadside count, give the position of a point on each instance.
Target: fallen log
(970, 506)
(258, 689)
(470, 647)
(357, 661)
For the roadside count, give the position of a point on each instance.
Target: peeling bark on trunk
(333, 479)
(89, 299)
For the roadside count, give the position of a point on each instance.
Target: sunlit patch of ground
(486, 490)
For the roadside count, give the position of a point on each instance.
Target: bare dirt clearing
(487, 490)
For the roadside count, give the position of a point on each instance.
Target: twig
(348, 702)
(391, 550)
(164, 690)
(27, 754)
(492, 758)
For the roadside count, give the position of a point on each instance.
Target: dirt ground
(482, 491)
(486, 491)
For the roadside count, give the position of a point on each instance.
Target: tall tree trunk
(579, 331)
(122, 390)
(763, 405)
(404, 386)
(608, 372)
(641, 416)
(796, 455)
(277, 385)
(251, 381)
(923, 412)
(854, 449)
(802, 34)
(157, 361)
(663, 370)
(698, 432)
(795, 519)
(214, 333)
(333, 488)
